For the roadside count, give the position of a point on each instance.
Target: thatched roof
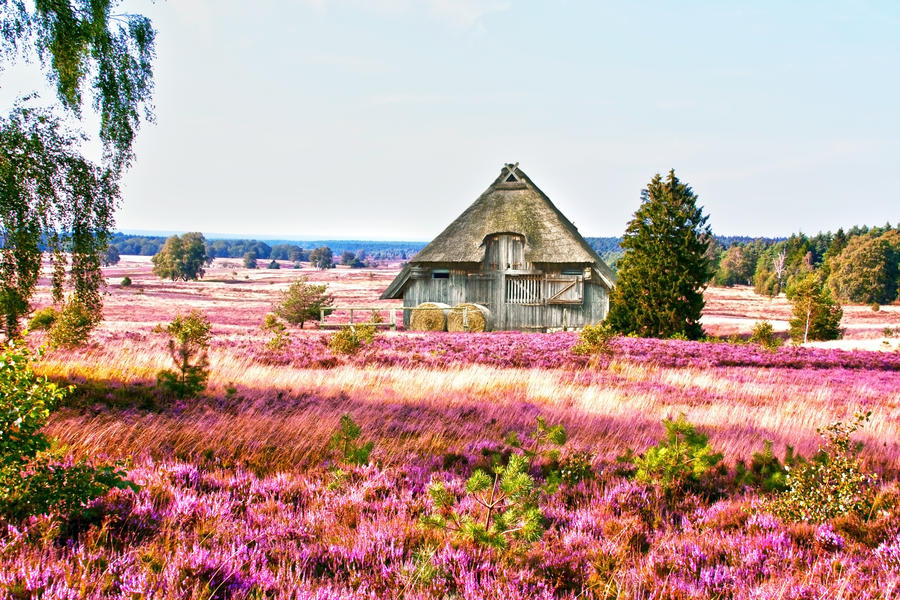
(512, 204)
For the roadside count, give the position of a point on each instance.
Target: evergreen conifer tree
(664, 269)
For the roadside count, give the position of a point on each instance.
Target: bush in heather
(43, 319)
(126, 281)
(544, 446)
(682, 461)
(507, 510)
(189, 337)
(833, 484)
(72, 326)
(351, 338)
(345, 442)
(764, 335)
(276, 328)
(595, 339)
(765, 471)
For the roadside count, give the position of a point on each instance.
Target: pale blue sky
(387, 118)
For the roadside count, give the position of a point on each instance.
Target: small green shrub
(832, 484)
(275, 327)
(595, 339)
(345, 442)
(764, 335)
(351, 338)
(126, 281)
(576, 467)
(680, 462)
(73, 326)
(765, 471)
(43, 319)
(189, 337)
(274, 264)
(507, 505)
(544, 447)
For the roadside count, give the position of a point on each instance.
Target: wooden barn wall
(488, 289)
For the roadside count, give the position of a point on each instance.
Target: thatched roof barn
(514, 253)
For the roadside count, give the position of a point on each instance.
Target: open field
(238, 501)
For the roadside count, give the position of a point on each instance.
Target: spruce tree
(664, 270)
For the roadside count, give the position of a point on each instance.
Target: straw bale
(468, 317)
(429, 316)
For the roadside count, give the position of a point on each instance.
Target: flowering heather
(554, 351)
(209, 532)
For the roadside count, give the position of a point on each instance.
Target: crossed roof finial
(511, 170)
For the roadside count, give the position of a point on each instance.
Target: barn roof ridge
(511, 204)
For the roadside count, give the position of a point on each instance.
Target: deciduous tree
(868, 269)
(182, 257)
(664, 270)
(816, 316)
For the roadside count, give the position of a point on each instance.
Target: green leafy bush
(351, 338)
(507, 513)
(764, 335)
(126, 281)
(43, 319)
(681, 461)
(189, 337)
(832, 484)
(345, 441)
(595, 339)
(33, 480)
(73, 325)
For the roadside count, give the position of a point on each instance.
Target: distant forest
(146, 245)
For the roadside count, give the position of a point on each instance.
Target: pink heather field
(242, 497)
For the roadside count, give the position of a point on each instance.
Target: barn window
(505, 251)
(525, 289)
(440, 274)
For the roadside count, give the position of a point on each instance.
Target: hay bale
(469, 317)
(429, 316)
